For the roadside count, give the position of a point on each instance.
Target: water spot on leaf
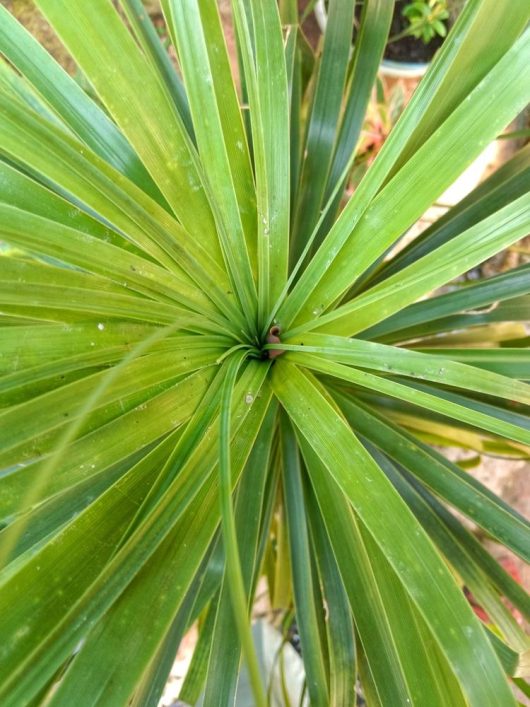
(22, 631)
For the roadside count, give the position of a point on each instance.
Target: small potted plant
(417, 31)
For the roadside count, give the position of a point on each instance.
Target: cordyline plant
(214, 370)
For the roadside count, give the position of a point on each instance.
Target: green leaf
(514, 363)
(113, 511)
(27, 346)
(20, 91)
(233, 571)
(198, 668)
(340, 629)
(454, 541)
(429, 677)
(103, 446)
(224, 655)
(196, 673)
(461, 411)
(78, 293)
(504, 583)
(151, 547)
(157, 133)
(265, 77)
(441, 265)
(28, 530)
(441, 476)
(156, 578)
(154, 679)
(353, 562)
(112, 628)
(293, 62)
(70, 102)
(147, 35)
(483, 33)
(31, 428)
(425, 316)
(304, 591)
(90, 181)
(323, 122)
(373, 32)
(423, 178)
(417, 564)
(221, 142)
(439, 368)
(28, 195)
(511, 180)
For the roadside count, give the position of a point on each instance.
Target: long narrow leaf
(417, 564)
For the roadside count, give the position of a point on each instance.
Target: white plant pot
(395, 69)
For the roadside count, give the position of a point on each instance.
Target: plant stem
(400, 35)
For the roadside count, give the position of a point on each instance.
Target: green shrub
(211, 373)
